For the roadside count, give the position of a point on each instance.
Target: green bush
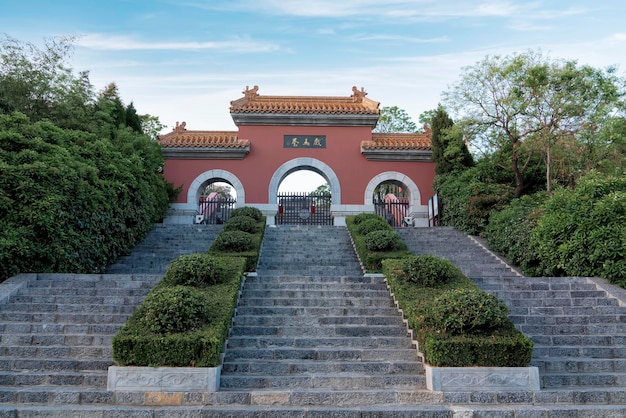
(242, 223)
(508, 232)
(146, 341)
(196, 270)
(372, 259)
(364, 217)
(509, 349)
(467, 311)
(427, 270)
(174, 309)
(500, 346)
(386, 240)
(582, 232)
(370, 225)
(236, 241)
(250, 211)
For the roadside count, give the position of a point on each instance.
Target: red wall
(342, 154)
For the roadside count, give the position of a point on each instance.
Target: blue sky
(187, 59)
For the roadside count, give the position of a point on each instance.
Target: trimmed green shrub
(142, 343)
(467, 311)
(236, 241)
(242, 223)
(174, 309)
(250, 211)
(372, 259)
(427, 270)
(364, 217)
(426, 310)
(196, 270)
(370, 225)
(512, 349)
(387, 240)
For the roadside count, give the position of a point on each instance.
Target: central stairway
(311, 329)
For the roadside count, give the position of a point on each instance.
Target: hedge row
(183, 325)
(242, 236)
(457, 324)
(375, 240)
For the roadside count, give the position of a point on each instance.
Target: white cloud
(126, 43)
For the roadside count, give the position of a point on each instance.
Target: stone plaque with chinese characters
(304, 141)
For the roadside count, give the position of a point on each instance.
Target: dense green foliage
(370, 225)
(250, 211)
(458, 306)
(242, 223)
(383, 240)
(508, 232)
(181, 326)
(170, 310)
(450, 152)
(467, 311)
(79, 181)
(429, 271)
(582, 232)
(394, 119)
(196, 270)
(371, 259)
(237, 243)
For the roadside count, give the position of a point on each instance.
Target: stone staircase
(55, 347)
(310, 329)
(312, 337)
(578, 324)
(164, 243)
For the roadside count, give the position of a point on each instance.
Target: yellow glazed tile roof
(182, 138)
(399, 141)
(356, 104)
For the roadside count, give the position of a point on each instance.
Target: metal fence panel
(304, 209)
(215, 211)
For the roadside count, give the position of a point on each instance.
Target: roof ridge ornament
(251, 94)
(180, 127)
(358, 95)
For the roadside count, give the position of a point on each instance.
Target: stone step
(316, 311)
(67, 318)
(579, 365)
(67, 308)
(320, 354)
(333, 331)
(302, 279)
(272, 285)
(582, 380)
(273, 321)
(89, 292)
(317, 302)
(48, 378)
(307, 342)
(342, 381)
(41, 331)
(55, 351)
(54, 365)
(302, 294)
(564, 351)
(285, 367)
(75, 299)
(54, 395)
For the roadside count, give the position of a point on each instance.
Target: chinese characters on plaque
(304, 141)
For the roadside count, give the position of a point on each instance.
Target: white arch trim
(196, 188)
(304, 164)
(414, 191)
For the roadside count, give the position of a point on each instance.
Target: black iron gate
(304, 209)
(215, 210)
(394, 211)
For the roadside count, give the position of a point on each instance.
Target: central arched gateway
(278, 135)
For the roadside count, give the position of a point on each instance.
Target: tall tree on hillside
(532, 105)
(450, 152)
(394, 119)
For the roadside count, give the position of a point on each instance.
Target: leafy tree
(450, 152)
(532, 104)
(394, 119)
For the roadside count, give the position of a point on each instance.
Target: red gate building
(278, 135)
